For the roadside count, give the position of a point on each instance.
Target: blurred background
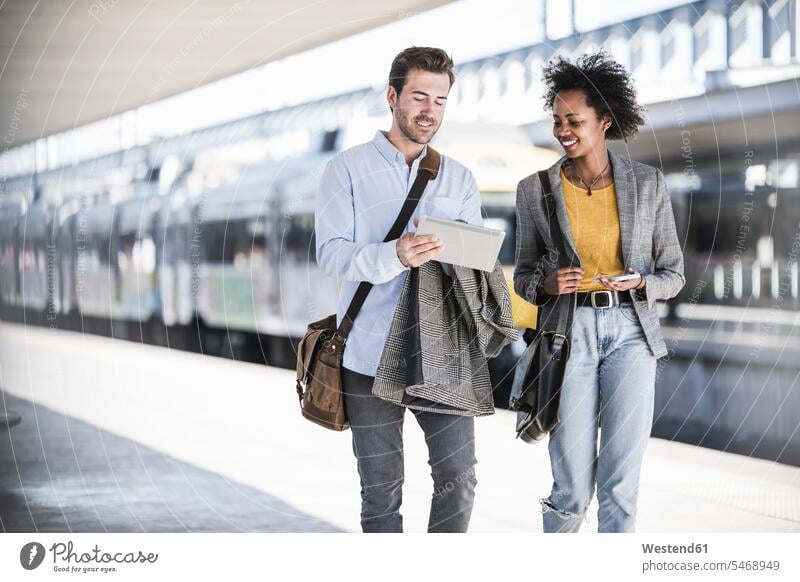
(160, 162)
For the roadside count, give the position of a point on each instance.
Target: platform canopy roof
(68, 63)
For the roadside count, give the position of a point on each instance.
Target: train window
(174, 243)
(765, 250)
(42, 251)
(136, 254)
(248, 239)
(217, 247)
(258, 229)
(719, 228)
(144, 255)
(251, 249)
(11, 250)
(234, 242)
(755, 175)
(783, 173)
(505, 220)
(298, 241)
(738, 279)
(329, 141)
(103, 249)
(27, 258)
(719, 282)
(125, 252)
(756, 281)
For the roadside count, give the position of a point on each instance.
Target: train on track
(220, 258)
(202, 252)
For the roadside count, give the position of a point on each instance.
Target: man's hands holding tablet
(414, 250)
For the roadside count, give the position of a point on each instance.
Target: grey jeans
(377, 427)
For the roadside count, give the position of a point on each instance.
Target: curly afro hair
(608, 89)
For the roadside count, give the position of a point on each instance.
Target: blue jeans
(609, 383)
(377, 427)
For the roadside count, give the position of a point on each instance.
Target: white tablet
(465, 244)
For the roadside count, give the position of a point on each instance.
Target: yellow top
(594, 222)
(524, 313)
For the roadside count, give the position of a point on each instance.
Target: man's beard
(407, 127)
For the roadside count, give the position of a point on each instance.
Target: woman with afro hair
(616, 219)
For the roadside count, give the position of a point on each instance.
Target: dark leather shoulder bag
(320, 352)
(548, 349)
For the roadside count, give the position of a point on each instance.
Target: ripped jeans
(609, 383)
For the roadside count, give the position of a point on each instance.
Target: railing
(672, 54)
(742, 281)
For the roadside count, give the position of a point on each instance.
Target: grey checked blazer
(647, 231)
(447, 322)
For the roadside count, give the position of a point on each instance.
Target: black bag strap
(428, 170)
(555, 229)
(565, 302)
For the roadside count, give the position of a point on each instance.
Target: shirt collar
(391, 153)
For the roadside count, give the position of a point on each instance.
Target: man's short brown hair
(433, 60)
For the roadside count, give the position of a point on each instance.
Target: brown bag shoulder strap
(428, 170)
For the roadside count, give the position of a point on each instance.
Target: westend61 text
(96, 555)
(670, 549)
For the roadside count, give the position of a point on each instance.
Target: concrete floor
(126, 437)
(60, 474)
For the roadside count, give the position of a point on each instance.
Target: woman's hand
(622, 285)
(563, 280)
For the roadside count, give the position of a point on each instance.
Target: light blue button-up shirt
(360, 196)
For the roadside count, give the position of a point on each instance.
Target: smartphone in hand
(620, 278)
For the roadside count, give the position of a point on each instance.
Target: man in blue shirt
(360, 196)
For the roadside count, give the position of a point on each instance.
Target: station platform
(61, 474)
(121, 437)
